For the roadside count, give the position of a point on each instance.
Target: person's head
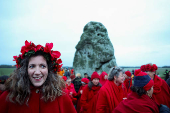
(104, 75)
(78, 75)
(116, 74)
(150, 69)
(85, 75)
(143, 84)
(3, 78)
(84, 81)
(68, 81)
(95, 78)
(127, 74)
(37, 67)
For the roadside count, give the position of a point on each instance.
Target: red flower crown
(149, 67)
(30, 48)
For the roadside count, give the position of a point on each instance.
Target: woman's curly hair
(19, 83)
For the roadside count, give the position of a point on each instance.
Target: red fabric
(110, 95)
(102, 80)
(74, 93)
(127, 85)
(1, 92)
(137, 104)
(89, 99)
(72, 71)
(62, 104)
(85, 80)
(161, 91)
(79, 97)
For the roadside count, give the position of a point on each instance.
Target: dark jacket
(168, 81)
(77, 83)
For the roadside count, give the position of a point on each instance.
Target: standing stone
(94, 51)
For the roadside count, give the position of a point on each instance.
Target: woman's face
(37, 70)
(95, 81)
(150, 92)
(68, 82)
(120, 79)
(151, 74)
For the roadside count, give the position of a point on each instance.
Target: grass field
(8, 71)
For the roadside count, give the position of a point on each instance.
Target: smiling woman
(34, 85)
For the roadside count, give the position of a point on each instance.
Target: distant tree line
(7, 66)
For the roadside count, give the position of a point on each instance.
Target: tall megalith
(94, 51)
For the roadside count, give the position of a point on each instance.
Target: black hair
(85, 74)
(139, 90)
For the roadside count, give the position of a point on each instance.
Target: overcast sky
(138, 29)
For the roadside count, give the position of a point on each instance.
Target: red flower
(152, 68)
(155, 66)
(55, 54)
(39, 47)
(28, 46)
(15, 58)
(143, 68)
(48, 47)
(59, 61)
(148, 67)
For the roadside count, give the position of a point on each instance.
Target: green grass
(160, 71)
(6, 71)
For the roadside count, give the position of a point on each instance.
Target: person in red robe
(71, 91)
(113, 92)
(161, 92)
(103, 78)
(89, 96)
(84, 82)
(128, 81)
(140, 99)
(34, 86)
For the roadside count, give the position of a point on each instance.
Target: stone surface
(94, 51)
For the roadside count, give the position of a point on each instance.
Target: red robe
(62, 104)
(79, 97)
(128, 85)
(74, 93)
(89, 99)
(110, 95)
(102, 80)
(137, 104)
(161, 91)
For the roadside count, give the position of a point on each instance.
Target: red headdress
(30, 48)
(128, 73)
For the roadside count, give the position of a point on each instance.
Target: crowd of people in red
(34, 87)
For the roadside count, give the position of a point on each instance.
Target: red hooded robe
(89, 98)
(61, 104)
(74, 93)
(110, 95)
(102, 80)
(128, 84)
(137, 104)
(161, 91)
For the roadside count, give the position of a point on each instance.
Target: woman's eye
(42, 66)
(31, 66)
